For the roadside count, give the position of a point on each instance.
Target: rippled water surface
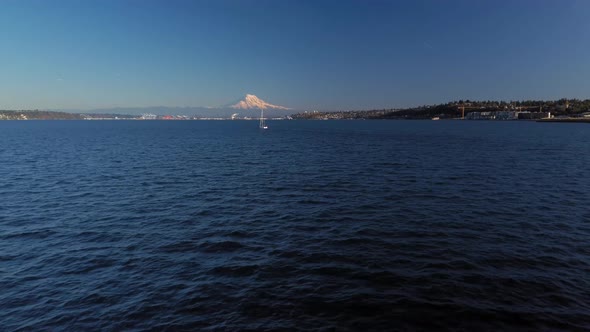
(350, 225)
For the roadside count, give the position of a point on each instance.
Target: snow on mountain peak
(253, 102)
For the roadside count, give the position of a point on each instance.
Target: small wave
(221, 247)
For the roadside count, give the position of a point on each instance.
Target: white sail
(262, 123)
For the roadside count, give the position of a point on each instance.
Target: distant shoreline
(562, 110)
(553, 120)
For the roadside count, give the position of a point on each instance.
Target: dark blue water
(350, 225)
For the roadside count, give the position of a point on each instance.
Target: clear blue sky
(302, 54)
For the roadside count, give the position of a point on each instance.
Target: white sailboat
(262, 123)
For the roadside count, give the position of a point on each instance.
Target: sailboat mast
(262, 124)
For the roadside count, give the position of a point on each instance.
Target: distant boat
(436, 118)
(262, 123)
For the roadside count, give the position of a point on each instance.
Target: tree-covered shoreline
(454, 109)
(55, 115)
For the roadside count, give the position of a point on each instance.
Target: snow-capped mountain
(253, 102)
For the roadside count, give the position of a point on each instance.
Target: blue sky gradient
(303, 54)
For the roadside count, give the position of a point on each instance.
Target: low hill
(567, 107)
(38, 115)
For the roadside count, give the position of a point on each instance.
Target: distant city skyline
(325, 55)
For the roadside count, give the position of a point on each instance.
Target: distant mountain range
(249, 106)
